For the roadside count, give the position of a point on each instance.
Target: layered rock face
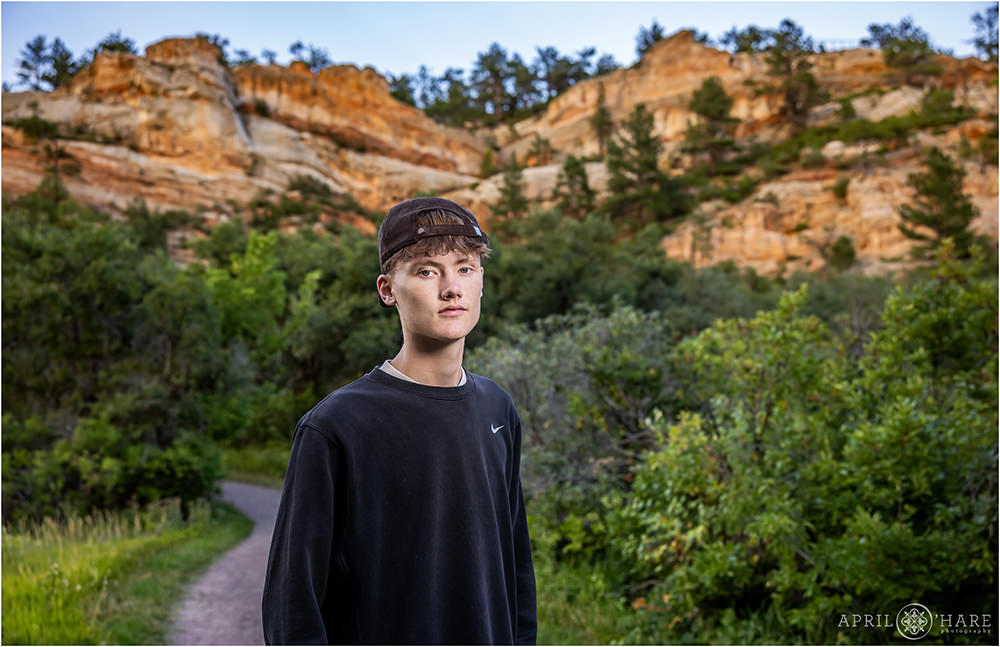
(782, 225)
(183, 131)
(673, 70)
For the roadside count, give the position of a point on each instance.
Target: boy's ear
(385, 290)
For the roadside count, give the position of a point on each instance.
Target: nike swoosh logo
(496, 429)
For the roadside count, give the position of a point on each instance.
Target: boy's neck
(441, 366)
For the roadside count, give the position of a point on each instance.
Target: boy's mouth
(451, 310)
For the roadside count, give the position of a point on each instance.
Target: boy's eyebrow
(429, 260)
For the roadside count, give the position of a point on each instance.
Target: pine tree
(33, 63)
(541, 150)
(601, 122)
(986, 33)
(489, 78)
(787, 59)
(646, 38)
(513, 203)
(940, 206)
(401, 88)
(525, 81)
(487, 167)
(575, 196)
(905, 47)
(115, 42)
(62, 65)
(640, 191)
(751, 40)
(714, 131)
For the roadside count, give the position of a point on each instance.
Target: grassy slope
(113, 580)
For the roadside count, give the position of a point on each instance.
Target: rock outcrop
(181, 130)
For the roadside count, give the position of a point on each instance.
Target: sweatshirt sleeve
(527, 622)
(298, 565)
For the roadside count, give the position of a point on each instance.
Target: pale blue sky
(398, 37)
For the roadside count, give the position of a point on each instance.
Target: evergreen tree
(455, 107)
(401, 88)
(427, 87)
(787, 59)
(32, 65)
(905, 47)
(541, 150)
(525, 80)
(243, 57)
(581, 66)
(559, 72)
(601, 121)
(487, 167)
(750, 40)
(58, 163)
(575, 196)
(269, 55)
(646, 38)
(115, 42)
(640, 191)
(986, 33)
(605, 64)
(318, 58)
(546, 63)
(714, 131)
(212, 39)
(940, 206)
(489, 78)
(61, 63)
(513, 203)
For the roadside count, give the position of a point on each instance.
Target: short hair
(436, 245)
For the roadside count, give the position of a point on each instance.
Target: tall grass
(576, 606)
(258, 464)
(109, 577)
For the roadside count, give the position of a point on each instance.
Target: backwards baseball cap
(399, 229)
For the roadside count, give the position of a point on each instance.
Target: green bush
(806, 487)
(104, 467)
(36, 128)
(840, 187)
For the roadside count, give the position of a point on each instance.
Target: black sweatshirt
(402, 520)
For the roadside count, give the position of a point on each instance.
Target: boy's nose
(451, 288)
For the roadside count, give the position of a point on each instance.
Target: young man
(402, 518)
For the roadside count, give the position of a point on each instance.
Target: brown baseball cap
(399, 228)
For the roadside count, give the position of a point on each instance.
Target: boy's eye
(465, 270)
(423, 272)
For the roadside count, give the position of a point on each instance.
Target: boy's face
(438, 297)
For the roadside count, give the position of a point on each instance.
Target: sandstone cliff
(182, 131)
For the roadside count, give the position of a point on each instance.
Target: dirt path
(223, 607)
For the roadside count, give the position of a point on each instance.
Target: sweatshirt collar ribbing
(435, 392)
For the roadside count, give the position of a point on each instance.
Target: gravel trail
(223, 607)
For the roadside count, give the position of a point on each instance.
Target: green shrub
(840, 187)
(308, 185)
(36, 128)
(805, 487)
(842, 254)
(102, 466)
(813, 158)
